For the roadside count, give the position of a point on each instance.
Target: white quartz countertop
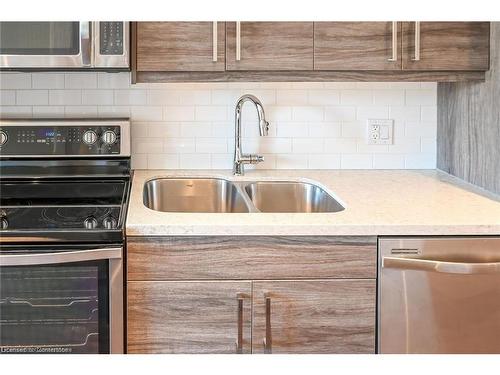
(398, 202)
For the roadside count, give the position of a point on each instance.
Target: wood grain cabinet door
(180, 46)
(269, 46)
(446, 46)
(314, 316)
(189, 317)
(357, 46)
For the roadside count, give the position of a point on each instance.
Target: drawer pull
(394, 41)
(238, 41)
(239, 342)
(214, 41)
(417, 41)
(268, 340)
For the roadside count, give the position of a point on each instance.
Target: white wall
(313, 125)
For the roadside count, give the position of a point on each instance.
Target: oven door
(61, 300)
(45, 45)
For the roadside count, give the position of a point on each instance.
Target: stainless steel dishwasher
(439, 295)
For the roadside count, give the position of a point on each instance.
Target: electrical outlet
(379, 131)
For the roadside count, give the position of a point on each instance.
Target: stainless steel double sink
(218, 195)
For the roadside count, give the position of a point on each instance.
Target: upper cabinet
(180, 46)
(446, 45)
(269, 46)
(357, 46)
(309, 51)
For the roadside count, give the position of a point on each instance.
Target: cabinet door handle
(268, 341)
(417, 41)
(214, 41)
(238, 41)
(239, 342)
(394, 41)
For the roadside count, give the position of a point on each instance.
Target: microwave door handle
(60, 257)
(86, 43)
(412, 264)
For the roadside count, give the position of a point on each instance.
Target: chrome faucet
(241, 159)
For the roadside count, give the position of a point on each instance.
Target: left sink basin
(193, 195)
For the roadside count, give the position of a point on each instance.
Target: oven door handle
(61, 257)
(440, 266)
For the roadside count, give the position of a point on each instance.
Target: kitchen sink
(290, 196)
(193, 195)
(218, 195)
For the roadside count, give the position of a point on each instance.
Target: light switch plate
(379, 131)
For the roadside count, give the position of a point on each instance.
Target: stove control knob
(90, 223)
(109, 137)
(4, 223)
(3, 137)
(89, 137)
(110, 222)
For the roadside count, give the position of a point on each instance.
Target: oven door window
(55, 308)
(39, 38)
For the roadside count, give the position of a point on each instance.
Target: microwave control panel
(111, 38)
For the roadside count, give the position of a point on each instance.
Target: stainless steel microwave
(64, 45)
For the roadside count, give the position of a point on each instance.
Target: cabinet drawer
(260, 258)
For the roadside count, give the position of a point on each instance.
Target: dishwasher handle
(440, 266)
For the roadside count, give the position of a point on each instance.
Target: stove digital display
(46, 133)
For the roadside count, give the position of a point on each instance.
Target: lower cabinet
(251, 295)
(189, 317)
(317, 316)
(298, 316)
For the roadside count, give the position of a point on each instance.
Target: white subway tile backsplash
(113, 111)
(179, 145)
(308, 113)
(384, 161)
(97, 97)
(16, 111)
(307, 146)
(292, 129)
(178, 113)
(131, 97)
(324, 97)
(421, 97)
(324, 129)
(291, 161)
(211, 113)
(80, 111)
(119, 80)
(405, 113)
(324, 161)
(356, 161)
(16, 81)
(142, 113)
(356, 97)
(48, 111)
(47, 80)
(291, 97)
(80, 80)
(7, 97)
(420, 161)
(32, 97)
(340, 113)
(191, 125)
(163, 161)
(195, 161)
(65, 97)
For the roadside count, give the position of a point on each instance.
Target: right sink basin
(291, 196)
